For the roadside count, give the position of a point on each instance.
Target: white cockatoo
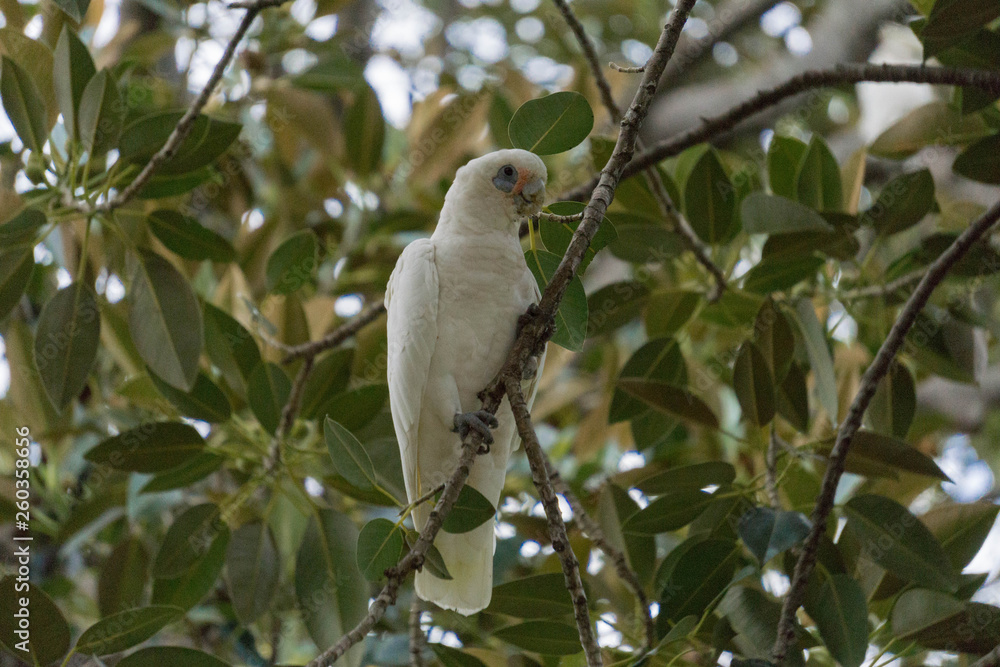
(453, 303)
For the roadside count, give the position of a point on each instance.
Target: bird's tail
(469, 559)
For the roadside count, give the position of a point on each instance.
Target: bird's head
(509, 182)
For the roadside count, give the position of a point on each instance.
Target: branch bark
(557, 528)
(186, 123)
(417, 639)
(869, 381)
(991, 659)
(337, 336)
(842, 74)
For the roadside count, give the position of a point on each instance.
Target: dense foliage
(175, 507)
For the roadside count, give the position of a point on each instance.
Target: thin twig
(840, 75)
(337, 336)
(288, 413)
(552, 217)
(627, 70)
(728, 19)
(413, 560)
(653, 177)
(418, 641)
(592, 530)
(557, 528)
(936, 272)
(884, 290)
(187, 121)
(771, 465)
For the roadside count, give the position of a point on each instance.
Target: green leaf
(49, 638)
(710, 200)
(471, 510)
(433, 560)
(615, 506)
(16, 267)
(188, 589)
(768, 532)
(961, 528)
(356, 408)
(452, 657)
(643, 239)
(349, 456)
(149, 447)
(839, 608)
(329, 378)
(818, 184)
(380, 546)
(22, 229)
(819, 356)
(614, 306)
(658, 359)
(75, 9)
(981, 161)
(194, 470)
(545, 637)
(364, 130)
(893, 452)
(896, 540)
(777, 273)
(267, 393)
(539, 596)
(774, 338)
(101, 114)
(690, 477)
(208, 140)
(551, 124)
(171, 656)
(571, 318)
(696, 580)
(126, 629)
(293, 263)
(670, 511)
(557, 236)
(205, 401)
(335, 72)
(974, 629)
(918, 609)
(669, 310)
(187, 540)
(253, 569)
(73, 68)
(332, 594)
(894, 404)
(736, 309)
(753, 384)
(188, 238)
(952, 21)
(23, 104)
(165, 320)
(934, 124)
(123, 577)
(902, 203)
(230, 347)
(671, 400)
(66, 341)
(771, 214)
(784, 156)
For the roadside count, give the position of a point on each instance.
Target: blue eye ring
(506, 178)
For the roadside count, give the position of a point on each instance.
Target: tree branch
(288, 413)
(886, 289)
(729, 19)
(653, 177)
(186, 123)
(991, 659)
(869, 381)
(557, 528)
(840, 75)
(772, 469)
(337, 336)
(592, 530)
(413, 560)
(417, 639)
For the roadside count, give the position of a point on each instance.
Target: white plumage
(453, 302)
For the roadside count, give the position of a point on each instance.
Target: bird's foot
(547, 324)
(480, 421)
(530, 369)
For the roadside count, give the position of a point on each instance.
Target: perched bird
(453, 303)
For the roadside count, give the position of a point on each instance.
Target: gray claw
(480, 421)
(530, 369)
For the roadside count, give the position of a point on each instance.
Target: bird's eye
(506, 178)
